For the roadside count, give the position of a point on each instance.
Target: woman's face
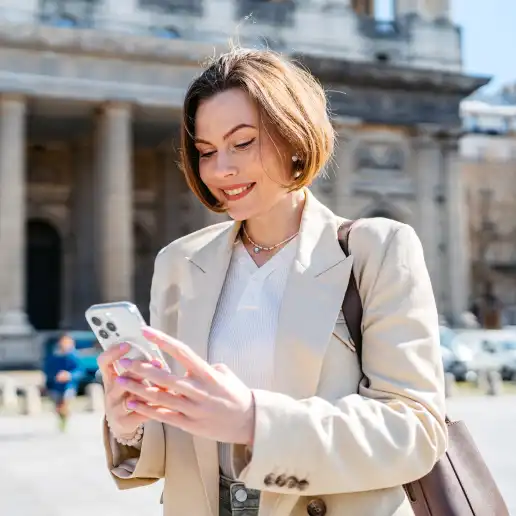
(240, 163)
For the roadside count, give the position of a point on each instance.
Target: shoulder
(189, 244)
(376, 235)
(378, 243)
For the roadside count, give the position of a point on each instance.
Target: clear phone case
(114, 323)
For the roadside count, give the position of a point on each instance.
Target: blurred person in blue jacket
(63, 373)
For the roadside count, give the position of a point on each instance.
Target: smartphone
(114, 323)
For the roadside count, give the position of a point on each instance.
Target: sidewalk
(25, 377)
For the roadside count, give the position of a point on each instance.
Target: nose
(224, 167)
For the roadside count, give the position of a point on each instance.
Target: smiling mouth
(238, 193)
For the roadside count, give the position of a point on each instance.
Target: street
(43, 473)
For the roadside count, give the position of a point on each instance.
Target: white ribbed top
(243, 331)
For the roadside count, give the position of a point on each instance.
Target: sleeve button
(292, 482)
(316, 507)
(269, 479)
(281, 480)
(302, 485)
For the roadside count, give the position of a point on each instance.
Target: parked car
(88, 350)
(490, 349)
(456, 356)
(508, 358)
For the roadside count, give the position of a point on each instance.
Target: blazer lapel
(311, 302)
(200, 290)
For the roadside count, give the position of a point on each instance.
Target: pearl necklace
(258, 248)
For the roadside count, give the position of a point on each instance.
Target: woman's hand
(122, 421)
(209, 401)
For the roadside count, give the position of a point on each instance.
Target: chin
(238, 215)
(241, 213)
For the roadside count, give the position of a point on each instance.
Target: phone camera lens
(104, 334)
(96, 321)
(111, 327)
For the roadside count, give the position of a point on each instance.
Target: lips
(236, 192)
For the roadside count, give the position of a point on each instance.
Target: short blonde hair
(289, 98)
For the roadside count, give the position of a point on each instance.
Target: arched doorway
(43, 275)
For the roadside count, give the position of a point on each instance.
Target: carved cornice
(106, 44)
(374, 75)
(395, 107)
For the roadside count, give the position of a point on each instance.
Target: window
(383, 10)
(279, 13)
(63, 21)
(190, 7)
(166, 32)
(68, 13)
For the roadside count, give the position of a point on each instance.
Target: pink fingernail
(131, 404)
(126, 362)
(156, 363)
(122, 380)
(125, 346)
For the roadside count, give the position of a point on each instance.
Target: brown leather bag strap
(352, 304)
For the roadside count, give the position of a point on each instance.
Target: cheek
(275, 169)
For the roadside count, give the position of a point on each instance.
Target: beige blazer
(348, 442)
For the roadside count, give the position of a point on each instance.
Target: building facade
(488, 151)
(90, 99)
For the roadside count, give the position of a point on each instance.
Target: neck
(279, 223)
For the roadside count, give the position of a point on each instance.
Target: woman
(261, 406)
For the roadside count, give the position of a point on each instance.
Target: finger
(125, 416)
(164, 415)
(156, 396)
(178, 350)
(107, 358)
(187, 386)
(115, 390)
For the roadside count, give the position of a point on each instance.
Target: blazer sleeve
(130, 466)
(393, 430)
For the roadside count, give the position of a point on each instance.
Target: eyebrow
(229, 133)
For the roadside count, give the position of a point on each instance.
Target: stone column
(427, 163)
(341, 172)
(113, 207)
(13, 319)
(457, 242)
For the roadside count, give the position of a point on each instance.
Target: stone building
(488, 151)
(89, 110)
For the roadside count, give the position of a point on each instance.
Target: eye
(206, 154)
(245, 144)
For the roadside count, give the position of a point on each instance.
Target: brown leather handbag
(460, 484)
